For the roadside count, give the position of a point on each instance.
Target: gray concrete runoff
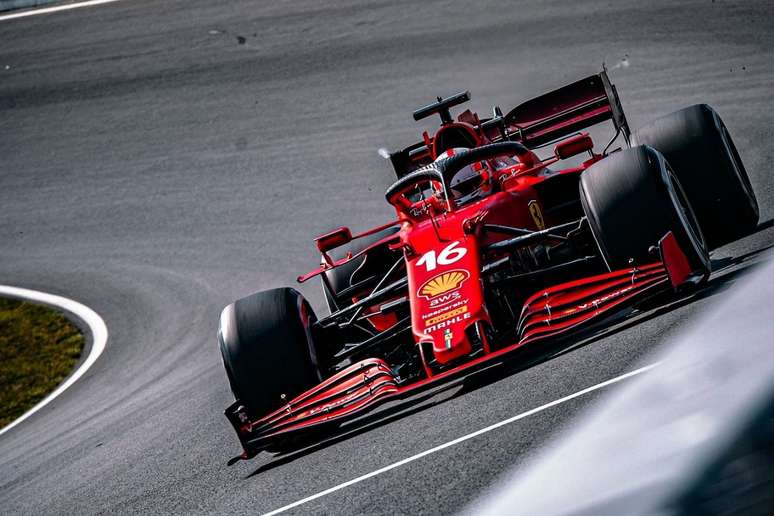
(694, 435)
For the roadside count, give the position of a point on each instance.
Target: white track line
(462, 439)
(57, 8)
(99, 334)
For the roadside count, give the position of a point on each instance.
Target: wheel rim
(736, 163)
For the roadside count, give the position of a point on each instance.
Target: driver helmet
(468, 179)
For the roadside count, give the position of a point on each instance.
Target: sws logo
(445, 299)
(443, 283)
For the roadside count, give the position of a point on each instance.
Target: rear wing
(564, 111)
(538, 121)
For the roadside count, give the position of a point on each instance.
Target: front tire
(697, 144)
(631, 200)
(267, 348)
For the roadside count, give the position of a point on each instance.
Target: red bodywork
(445, 248)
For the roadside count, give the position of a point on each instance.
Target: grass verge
(38, 349)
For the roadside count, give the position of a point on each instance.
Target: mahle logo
(443, 283)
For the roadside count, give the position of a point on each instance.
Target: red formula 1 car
(493, 248)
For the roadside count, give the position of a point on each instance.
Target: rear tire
(266, 344)
(632, 199)
(697, 144)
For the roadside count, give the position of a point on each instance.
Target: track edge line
(95, 324)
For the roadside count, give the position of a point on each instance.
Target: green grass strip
(38, 349)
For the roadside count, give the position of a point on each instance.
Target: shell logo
(443, 283)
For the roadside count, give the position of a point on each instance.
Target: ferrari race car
(493, 248)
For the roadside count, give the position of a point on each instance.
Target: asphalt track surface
(162, 158)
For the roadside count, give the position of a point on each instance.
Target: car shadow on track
(726, 271)
(764, 225)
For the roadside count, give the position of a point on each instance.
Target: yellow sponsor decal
(537, 215)
(447, 315)
(443, 283)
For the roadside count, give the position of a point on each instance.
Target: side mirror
(573, 146)
(334, 239)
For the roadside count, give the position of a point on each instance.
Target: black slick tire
(267, 348)
(632, 199)
(698, 146)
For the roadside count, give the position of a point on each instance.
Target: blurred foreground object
(693, 436)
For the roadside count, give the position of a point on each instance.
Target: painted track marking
(56, 8)
(99, 334)
(463, 439)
